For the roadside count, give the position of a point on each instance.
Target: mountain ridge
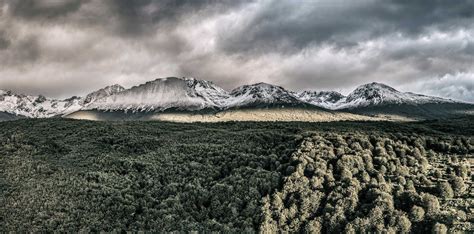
(190, 94)
(380, 94)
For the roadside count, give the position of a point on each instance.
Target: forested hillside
(69, 175)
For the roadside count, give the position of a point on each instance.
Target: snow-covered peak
(261, 93)
(325, 99)
(101, 93)
(208, 91)
(165, 93)
(373, 94)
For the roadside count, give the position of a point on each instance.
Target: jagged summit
(101, 93)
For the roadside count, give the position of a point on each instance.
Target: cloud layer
(64, 47)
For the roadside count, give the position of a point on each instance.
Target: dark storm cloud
(293, 25)
(136, 14)
(19, 53)
(134, 17)
(44, 9)
(70, 47)
(4, 41)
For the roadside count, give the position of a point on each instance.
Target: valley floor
(336, 177)
(244, 115)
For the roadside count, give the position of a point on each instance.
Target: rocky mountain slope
(161, 94)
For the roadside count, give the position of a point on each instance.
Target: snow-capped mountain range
(42, 107)
(189, 94)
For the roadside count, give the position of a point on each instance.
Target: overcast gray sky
(61, 48)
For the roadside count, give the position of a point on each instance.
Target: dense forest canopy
(68, 175)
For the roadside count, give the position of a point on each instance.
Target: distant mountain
(377, 94)
(368, 95)
(14, 105)
(377, 99)
(261, 95)
(325, 99)
(162, 94)
(191, 95)
(36, 106)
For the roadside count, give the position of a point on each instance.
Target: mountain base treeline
(340, 177)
